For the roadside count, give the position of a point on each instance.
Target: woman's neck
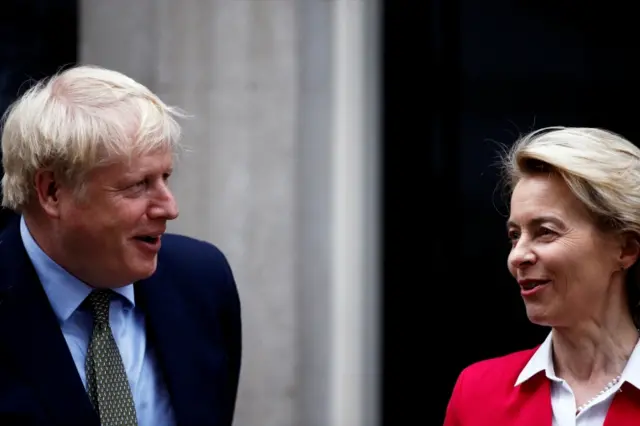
(593, 350)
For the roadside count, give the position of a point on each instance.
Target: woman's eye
(546, 232)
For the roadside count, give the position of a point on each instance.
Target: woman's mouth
(530, 286)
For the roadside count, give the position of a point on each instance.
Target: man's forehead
(152, 162)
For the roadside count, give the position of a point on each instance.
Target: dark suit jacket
(192, 318)
(485, 395)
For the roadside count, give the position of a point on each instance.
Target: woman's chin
(539, 317)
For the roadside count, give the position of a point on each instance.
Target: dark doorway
(37, 39)
(461, 78)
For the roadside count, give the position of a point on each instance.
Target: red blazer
(485, 395)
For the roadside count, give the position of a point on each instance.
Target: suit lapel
(188, 362)
(29, 330)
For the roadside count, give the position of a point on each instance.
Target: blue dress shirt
(66, 294)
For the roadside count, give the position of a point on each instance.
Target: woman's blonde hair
(601, 168)
(76, 121)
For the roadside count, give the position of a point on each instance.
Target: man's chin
(147, 271)
(142, 270)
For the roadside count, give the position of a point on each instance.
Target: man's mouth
(149, 239)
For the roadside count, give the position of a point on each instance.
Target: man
(104, 318)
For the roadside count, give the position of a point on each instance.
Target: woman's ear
(629, 250)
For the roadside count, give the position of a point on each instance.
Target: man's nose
(165, 206)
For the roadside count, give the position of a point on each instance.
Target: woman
(574, 226)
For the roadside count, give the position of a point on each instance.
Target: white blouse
(563, 403)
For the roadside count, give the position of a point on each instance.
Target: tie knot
(99, 302)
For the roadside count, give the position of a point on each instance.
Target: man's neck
(39, 233)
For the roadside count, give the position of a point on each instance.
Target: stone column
(263, 180)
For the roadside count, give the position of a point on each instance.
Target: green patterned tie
(107, 382)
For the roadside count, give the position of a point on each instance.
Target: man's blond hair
(77, 120)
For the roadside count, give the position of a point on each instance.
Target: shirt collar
(65, 292)
(631, 372)
(542, 360)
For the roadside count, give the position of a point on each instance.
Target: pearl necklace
(608, 386)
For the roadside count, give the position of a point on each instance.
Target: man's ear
(629, 250)
(47, 190)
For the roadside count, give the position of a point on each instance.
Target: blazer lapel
(29, 330)
(625, 408)
(532, 404)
